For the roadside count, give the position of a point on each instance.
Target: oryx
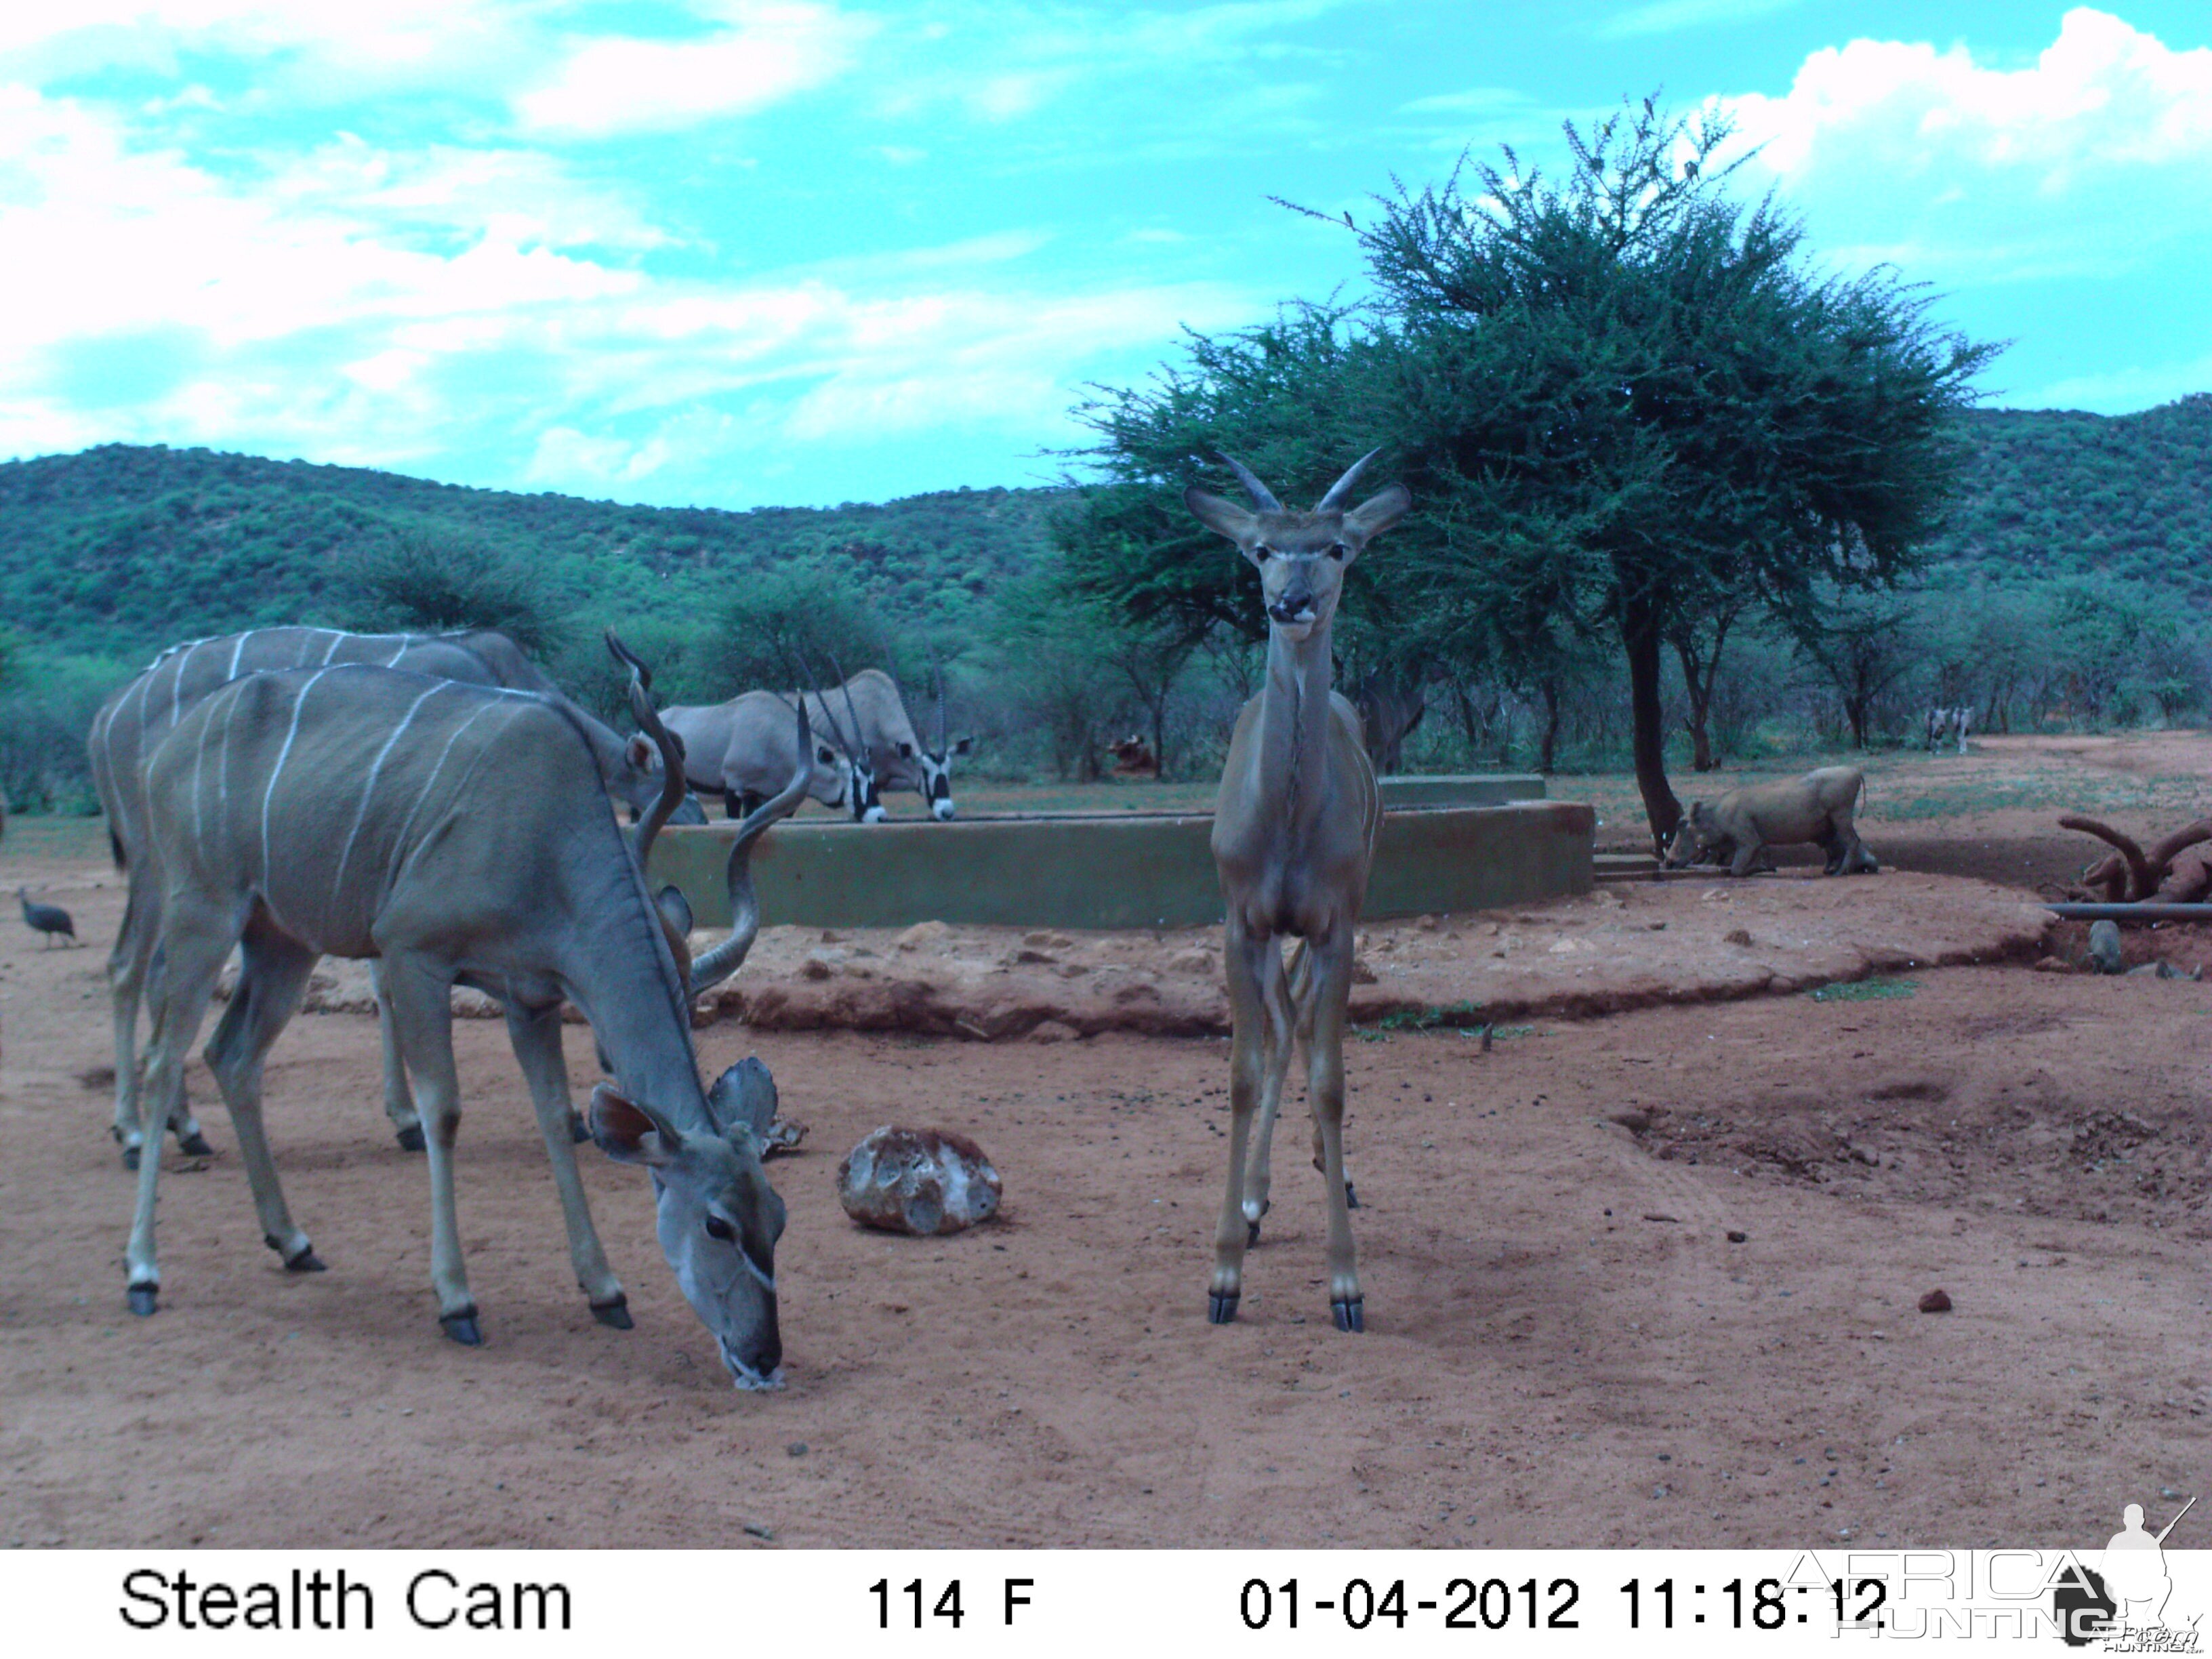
(133, 720)
(461, 833)
(896, 751)
(742, 750)
(1294, 833)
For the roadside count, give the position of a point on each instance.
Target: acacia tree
(1622, 401)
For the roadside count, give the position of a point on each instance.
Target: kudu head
(718, 1216)
(937, 764)
(1301, 556)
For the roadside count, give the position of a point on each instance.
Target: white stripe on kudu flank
(331, 650)
(404, 642)
(399, 841)
(360, 812)
(277, 771)
(237, 694)
(177, 684)
(232, 673)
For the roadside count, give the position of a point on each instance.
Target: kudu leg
(398, 1099)
(271, 978)
(422, 1011)
(1275, 1068)
(130, 981)
(1302, 1001)
(535, 1034)
(198, 941)
(1246, 969)
(1332, 990)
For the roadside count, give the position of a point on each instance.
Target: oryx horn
(1333, 501)
(1262, 497)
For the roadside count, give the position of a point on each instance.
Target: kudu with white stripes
(463, 835)
(1294, 831)
(132, 723)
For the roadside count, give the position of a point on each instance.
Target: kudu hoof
(130, 1159)
(144, 1298)
(305, 1262)
(1350, 1198)
(194, 1144)
(462, 1328)
(1349, 1316)
(411, 1138)
(614, 1315)
(578, 1131)
(1251, 1234)
(1221, 1310)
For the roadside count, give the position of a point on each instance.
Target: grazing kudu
(463, 835)
(1294, 831)
(131, 724)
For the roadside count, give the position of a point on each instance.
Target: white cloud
(1962, 172)
(769, 52)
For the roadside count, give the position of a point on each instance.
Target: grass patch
(1465, 1017)
(1864, 990)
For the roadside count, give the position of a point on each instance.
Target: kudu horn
(671, 753)
(1333, 501)
(1262, 497)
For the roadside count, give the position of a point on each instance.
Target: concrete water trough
(1122, 869)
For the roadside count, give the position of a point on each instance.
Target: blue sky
(729, 253)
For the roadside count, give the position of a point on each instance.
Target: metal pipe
(2149, 910)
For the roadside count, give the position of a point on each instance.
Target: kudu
(1294, 833)
(461, 833)
(134, 719)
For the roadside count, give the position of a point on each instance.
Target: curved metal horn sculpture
(1262, 497)
(671, 755)
(713, 966)
(1341, 489)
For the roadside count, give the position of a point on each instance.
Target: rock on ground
(924, 1181)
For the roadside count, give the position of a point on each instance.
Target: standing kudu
(1294, 832)
(463, 835)
(130, 726)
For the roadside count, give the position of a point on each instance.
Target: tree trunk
(1547, 751)
(1639, 634)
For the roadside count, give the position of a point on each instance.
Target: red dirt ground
(1564, 1346)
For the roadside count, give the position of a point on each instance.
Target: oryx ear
(963, 746)
(1225, 517)
(674, 910)
(1377, 514)
(905, 750)
(631, 1134)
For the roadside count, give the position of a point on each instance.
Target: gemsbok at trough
(895, 751)
(133, 721)
(463, 834)
(742, 750)
(1294, 833)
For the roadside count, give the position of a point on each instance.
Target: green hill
(2055, 492)
(121, 549)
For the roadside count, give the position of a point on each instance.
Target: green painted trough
(1119, 870)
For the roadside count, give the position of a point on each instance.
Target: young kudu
(131, 724)
(463, 835)
(1294, 832)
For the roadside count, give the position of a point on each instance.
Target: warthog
(1744, 822)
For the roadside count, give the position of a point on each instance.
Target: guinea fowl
(48, 919)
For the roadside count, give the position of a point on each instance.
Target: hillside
(2058, 493)
(120, 550)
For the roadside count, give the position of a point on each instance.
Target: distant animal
(1134, 758)
(1943, 723)
(48, 919)
(742, 750)
(870, 701)
(1742, 823)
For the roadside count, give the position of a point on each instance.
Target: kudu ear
(631, 1134)
(1225, 517)
(674, 910)
(743, 1097)
(641, 753)
(1378, 512)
